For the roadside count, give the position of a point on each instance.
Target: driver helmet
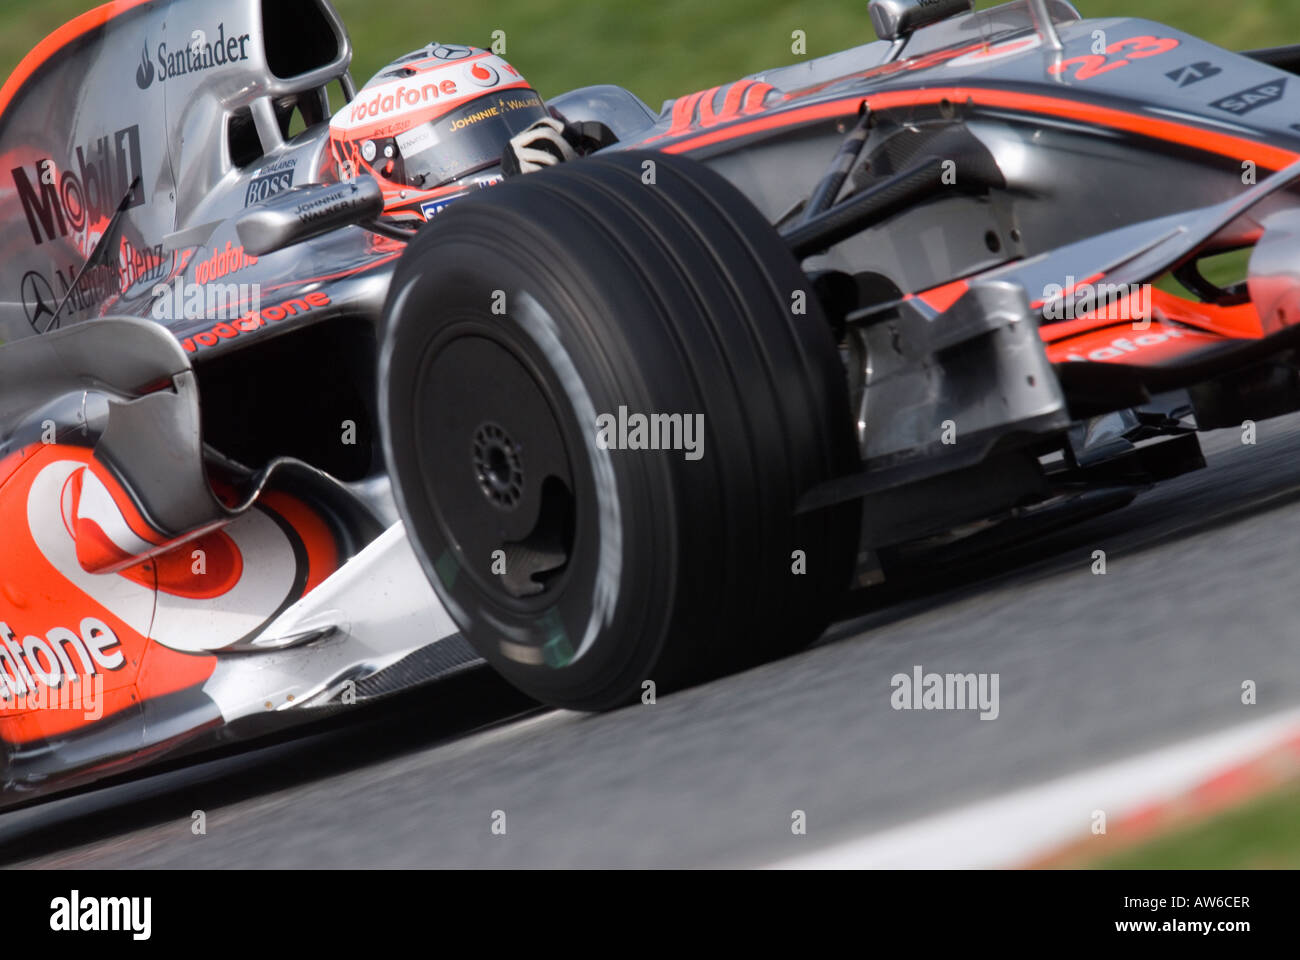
(431, 126)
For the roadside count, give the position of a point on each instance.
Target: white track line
(1017, 827)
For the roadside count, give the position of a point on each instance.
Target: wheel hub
(498, 466)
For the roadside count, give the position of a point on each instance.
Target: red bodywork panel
(66, 520)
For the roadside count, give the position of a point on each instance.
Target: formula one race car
(309, 393)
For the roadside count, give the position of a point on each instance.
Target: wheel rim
(496, 466)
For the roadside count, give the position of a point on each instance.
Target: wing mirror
(302, 213)
(897, 18)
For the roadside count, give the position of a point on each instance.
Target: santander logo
(144, 72)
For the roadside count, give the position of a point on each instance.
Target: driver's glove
(541, 145)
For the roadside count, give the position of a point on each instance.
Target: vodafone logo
(483, 75)
(1123, 345)
(429, 93)
(59, 657)
(396, 98)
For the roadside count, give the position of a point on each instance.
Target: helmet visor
(467, 139)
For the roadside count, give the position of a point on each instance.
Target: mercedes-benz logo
(447, 51)
(39, 302)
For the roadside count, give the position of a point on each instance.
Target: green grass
(658, 48)
(1222, 270)
(1263, 834)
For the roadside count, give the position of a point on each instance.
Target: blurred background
(657, 48)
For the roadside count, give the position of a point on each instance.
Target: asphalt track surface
(1201, 593)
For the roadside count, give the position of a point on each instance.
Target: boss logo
(267, 186)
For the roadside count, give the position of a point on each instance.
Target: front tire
(524, 319)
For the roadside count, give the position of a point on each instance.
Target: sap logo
(87, 191)
(1194, 73)
(1252, 99)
